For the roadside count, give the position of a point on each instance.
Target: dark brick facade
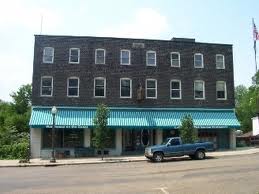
(137, 71)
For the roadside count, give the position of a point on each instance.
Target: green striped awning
(159, 118)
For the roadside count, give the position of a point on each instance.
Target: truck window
(175, 142)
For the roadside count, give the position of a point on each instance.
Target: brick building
(149, 85)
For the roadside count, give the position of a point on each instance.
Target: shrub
(14, 151)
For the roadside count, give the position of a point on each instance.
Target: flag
(255, 32)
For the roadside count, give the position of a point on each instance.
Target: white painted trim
(180, 85)
(179, 56)
(203, 90)
(44, 55)
(147, 58)
(100, 78)
(152, 88)
(225, 88)
(121, 57)
(223, 61)
(51, 86)
(100, 49)
(130, 88)
(73, 87)
(201, 60)
(78, 57)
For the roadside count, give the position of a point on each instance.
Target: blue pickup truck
(173, 147)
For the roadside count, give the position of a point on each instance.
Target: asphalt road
(238, 174)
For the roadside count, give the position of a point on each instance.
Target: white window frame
(179, 56)
(43, 59)
(203, 98)
(153, 65)
(180, 85)
(223, 61)
(123, 50)
(104, 87)
(78, 57)
(201, 60)
(73, 87)
(225, 90)
(42, 77)
(100, 49)
(130, 88)
(151, 88)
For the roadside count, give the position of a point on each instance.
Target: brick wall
(137, 71)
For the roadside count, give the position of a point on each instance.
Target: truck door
(175, 148)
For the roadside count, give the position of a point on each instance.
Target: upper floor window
(74, 55)
(176, 90)
(125, 87)
(151, 58)
(100, 56)
(48, 55)
(198, 60)
(100, 87)
(220, 61)
(199, 89)
(46, 86)
(125, 57)
(175, 59)
(151, 88)
(221, 90)
(73, 87)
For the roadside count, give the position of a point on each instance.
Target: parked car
(173, 147)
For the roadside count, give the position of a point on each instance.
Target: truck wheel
(158, 157)
(200, 155)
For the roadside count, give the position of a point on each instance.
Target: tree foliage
(247, 103)
(14, 120)
(101, 132)
(187, 131)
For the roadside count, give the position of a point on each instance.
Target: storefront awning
(134, 118)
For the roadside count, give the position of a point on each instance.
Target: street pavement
(232, 174)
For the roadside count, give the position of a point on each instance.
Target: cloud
(26, 14)
(146, 23)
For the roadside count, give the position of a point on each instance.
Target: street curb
(110, 161)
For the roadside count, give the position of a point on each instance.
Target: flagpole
(255, 56)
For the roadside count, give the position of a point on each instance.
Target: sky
(215, 21)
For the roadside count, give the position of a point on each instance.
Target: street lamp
(53, 112)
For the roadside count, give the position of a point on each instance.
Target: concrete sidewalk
(97, 160)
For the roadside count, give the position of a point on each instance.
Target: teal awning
(152, 118)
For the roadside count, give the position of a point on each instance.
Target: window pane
(151, 93)
(73, 82)
(73, 138)
(46, 91)
(48, 51)
(74, 52)
(220, 94)
(48, 54)
(125, 88)
(175, 56)
(47, 58)
(73, 91)
(151, 58)
(220, 86)
(198, 94)
(175, 93)
(151, 61)
(198, 60)
(175, 85)
(100, 56)
(198, 87)
(125, 54)
(151, 84)
(99, 82)
(46, 81)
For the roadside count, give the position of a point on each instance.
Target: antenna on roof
(41, 23)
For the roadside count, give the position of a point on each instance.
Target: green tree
(22, 99)
(187, 131)
(101, 138)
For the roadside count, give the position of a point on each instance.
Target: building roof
(151, 118)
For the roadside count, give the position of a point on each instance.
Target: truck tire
(200, 155)
(158, 157)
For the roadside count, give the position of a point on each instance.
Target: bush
(14, 151)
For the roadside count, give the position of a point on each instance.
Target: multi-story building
(148, 85)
